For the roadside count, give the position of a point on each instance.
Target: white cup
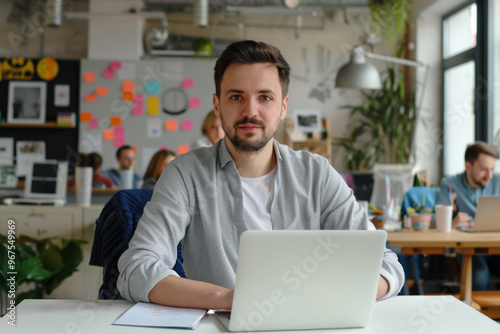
(444, 216)
(127, 178)
(83, 185)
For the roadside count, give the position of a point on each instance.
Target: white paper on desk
(154, 315)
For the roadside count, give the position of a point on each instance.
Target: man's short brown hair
(472, 152)
(251, 52)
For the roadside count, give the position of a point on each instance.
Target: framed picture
(307, 120)
(26, 102)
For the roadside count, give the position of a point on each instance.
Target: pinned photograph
(26, 102)
(307, 120)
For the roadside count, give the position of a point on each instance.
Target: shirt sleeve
(340, 210)
(152, 250)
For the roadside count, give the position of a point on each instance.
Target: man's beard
(248, 145)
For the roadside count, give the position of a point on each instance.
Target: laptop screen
(46, 179)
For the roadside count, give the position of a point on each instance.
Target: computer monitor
(46, 180)
(390, 181)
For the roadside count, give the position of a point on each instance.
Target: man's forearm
(383, 287)
(182, 292)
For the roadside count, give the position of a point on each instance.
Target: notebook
(486, 219)
(288, 280)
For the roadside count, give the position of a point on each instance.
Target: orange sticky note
(108, 134)
(171, 125)
(85, 116)
(128, 96)
(134, 149)
(116, 120)
(90, 97)
(101, 91)
(181, 149)
(89, 76)
(128, 86)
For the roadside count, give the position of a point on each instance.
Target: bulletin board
(148, 104)
(56, 75)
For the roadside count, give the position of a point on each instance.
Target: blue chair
(114, 229)
(410, 263)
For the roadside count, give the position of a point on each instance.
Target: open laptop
(45, 184)
(486, 219)
(288, 280)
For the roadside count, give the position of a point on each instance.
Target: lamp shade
(358, 76)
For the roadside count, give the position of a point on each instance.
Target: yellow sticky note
(171, 125)
(90, 98)
(128, 86)
(181, 149)
(108, 134)
(101, 91)
(153, 105)
(85, 116)
(116, 120)
(89, 76)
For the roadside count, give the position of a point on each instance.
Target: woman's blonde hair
(207, 123)
(155, 168)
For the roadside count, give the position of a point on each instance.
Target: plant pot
(421, 221)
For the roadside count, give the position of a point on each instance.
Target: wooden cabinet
(315, 142)
(68, 222)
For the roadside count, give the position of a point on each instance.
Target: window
(466, 96)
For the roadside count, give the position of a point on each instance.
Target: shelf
(47, 125)
(319, 146)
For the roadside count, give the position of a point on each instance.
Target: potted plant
(420, 215)
(42, 262)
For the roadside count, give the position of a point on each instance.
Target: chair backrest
(114, 229)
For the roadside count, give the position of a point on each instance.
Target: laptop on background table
(487, 217)
(288, 280)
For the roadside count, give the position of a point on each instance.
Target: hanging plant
(389, 18)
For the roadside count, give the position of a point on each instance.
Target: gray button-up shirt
(198, 200)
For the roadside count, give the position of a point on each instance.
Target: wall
(67, 41)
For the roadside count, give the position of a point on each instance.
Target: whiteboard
(102, 100)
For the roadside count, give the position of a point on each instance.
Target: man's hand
(462, 219)
(383, 287)
(182, 292)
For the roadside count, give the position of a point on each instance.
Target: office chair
(114, 229)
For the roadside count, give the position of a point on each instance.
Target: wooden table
(434, 242)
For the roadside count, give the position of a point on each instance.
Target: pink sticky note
(163, 147)
(138, 109)
(194, 102)
(187, 83)
(119, 138)
(138, 99)
(108, 73)
(115, 64)
(187, 125)
(94, 123)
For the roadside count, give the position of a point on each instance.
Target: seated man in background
(125, 156)
(247, 181)
(477, 180)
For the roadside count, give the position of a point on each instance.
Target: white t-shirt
(257, 197)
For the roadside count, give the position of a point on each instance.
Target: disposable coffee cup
(127, 178)
(444, 216)
(83, 185)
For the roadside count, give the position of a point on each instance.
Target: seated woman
(211, 129)
(94, 160)
(156, 166)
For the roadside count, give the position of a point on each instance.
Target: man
(247, 180)
(125, 156)
(477, 180)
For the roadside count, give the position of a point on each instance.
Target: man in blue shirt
(125, 156)
(477, 180)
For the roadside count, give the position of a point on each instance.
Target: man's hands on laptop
(462, 220)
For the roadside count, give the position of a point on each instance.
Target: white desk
(401, 315)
